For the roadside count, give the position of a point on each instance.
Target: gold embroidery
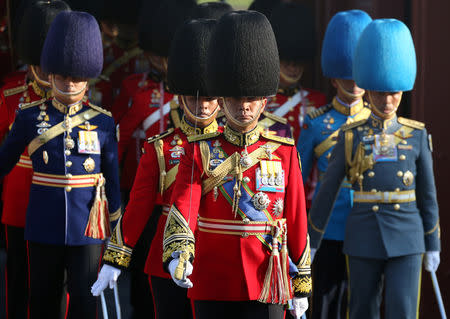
(302, 285)
(189, 130)
(241, 139)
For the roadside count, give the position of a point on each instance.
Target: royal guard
(123, 56)
(16, 185)
(75, 188)
(394, 222)
(150, 196)
(154, 109)
(317, 139)
(238, 202)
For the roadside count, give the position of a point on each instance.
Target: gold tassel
(98, 226)
(162, 164)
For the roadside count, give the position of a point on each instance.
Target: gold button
(68, 188)
(244, 235)
(68, 163)
(402, 157)
(375, 208)
(399, 173)
(359, 128)
(373, 190)
(397, 189)
(397, 206)
(371, 174)
(246, 221)
(69, 175)
(404, 142)
(67, 152)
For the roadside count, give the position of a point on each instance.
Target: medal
(261, 201)
(45, 157)
(245, 160)
(70, 144)
(89, 164)
(278, 207)
(408, 178)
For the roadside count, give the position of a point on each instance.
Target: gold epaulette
(201, 137)
(321, 110)
(159, 136)
(411, 123)
(101, 110)
(19, 89)
(349, 126)
(276, 138)
(25, 106)
(274, 117)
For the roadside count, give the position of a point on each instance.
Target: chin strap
(38, 79)
(238, 123)
(375, 110)
(347, 93)
(54, 87)
(203, 121)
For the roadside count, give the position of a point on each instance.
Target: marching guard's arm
(305, 147)
(426, 194)
(181, 222)
(297, 232)
(323, 203)
(15, 143)
(128, 124)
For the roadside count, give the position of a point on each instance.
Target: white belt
(385, 197)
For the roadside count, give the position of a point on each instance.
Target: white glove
(107, 275)
(313, 253)
(431, 260)
(300, 305)
(184, 283)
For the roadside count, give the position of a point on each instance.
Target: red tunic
(16, 185)
(134, 129)
(228, 266)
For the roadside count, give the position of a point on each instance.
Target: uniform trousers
(330, 281)
(48, 264)
(16, 273)
(207, 309)
(401, 277)
(170, 300)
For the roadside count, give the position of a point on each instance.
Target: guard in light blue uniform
(75, 187)
(387, 159)
(316, 142)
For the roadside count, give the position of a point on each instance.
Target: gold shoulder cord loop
(206, 157)
(161, 163)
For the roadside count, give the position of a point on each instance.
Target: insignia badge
(43, 124)
(278, 207)
(261, 201)
(408, 178)
(45, 157)
(245, 160)
(270, 177)
(177, 152)
(89, 164)
(384, 148)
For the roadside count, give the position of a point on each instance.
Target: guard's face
(243, 113)
(385, 104)
(348, 86)
(67, 89)
(200, 111)
(290, 72)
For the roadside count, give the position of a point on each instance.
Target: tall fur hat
(243, 56)
(73, 46)
(210, 10)
(385, 58)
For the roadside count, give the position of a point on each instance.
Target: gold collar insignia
(241, 139)
(347, 110)
(380, 123)
(190, 130)
(73, 109)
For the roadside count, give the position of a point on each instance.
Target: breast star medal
(89, 164)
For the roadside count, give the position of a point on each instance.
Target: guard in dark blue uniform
(317, 139)
(387, 160)
(75, 189)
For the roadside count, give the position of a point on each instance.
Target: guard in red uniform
(238, 201)
(153, 108)
(16, 185)
(158, 168)
(123, 56)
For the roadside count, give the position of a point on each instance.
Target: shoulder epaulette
(25, 106)
(201, 137)
(101, 110)
(276, 138)
(160, 136)
(321, 110)
(349, 126)
(16, 90)
(274, 117)
(411, 123)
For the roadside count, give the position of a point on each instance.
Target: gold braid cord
(177, 235)
(117, 253)
(301, 283)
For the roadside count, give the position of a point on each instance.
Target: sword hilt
(180, 270)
